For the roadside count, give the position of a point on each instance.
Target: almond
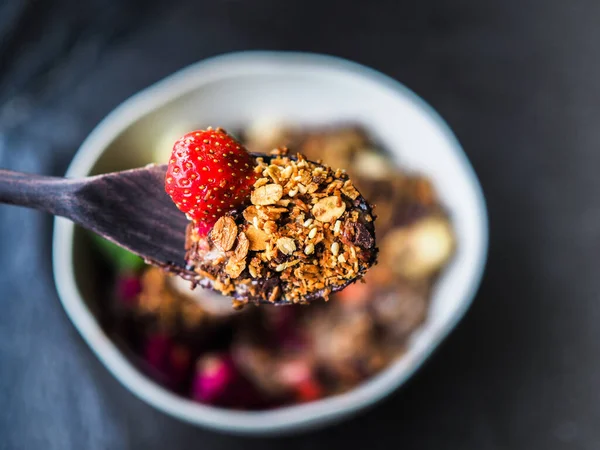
(224, 233)
(241, 249)
(329, 209)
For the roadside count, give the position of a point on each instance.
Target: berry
(209, 174)
(308, 391)
(214, 375)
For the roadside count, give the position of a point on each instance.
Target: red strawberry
(209, 174)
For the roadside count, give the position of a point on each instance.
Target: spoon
(129, 208)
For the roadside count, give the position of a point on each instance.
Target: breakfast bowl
(309, 90)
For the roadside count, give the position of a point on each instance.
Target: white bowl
(234, 90)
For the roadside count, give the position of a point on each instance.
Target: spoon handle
(50, 194)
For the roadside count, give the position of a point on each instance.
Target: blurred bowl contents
(196, 345)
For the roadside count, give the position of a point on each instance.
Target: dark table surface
(518, 81)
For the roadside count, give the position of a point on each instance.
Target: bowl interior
(299, 89)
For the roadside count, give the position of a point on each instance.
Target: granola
(306, 233)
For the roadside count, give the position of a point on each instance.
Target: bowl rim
(286, 419)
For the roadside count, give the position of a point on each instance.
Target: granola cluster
(306, 233)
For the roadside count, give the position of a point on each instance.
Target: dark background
(518, 81)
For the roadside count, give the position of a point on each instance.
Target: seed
(309, 249)
(287, 172)
(335, 248)
(308, 222)
(252, 271)
(342, 258)
(280, 267)
(337, 227)
(312, 233)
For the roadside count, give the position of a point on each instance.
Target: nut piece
(250, 213)
(224, 233)
(234, 268)
(286, 245)
(268, 194)
(349, 190)
(260, 182)
(270, 227)
(329, 209)
(241, 249)
(257, 237)
(275, 294)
